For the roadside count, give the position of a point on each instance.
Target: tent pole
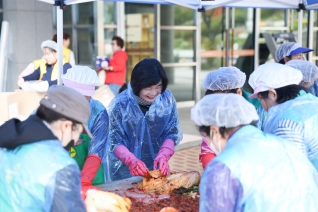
(310, 33)
(300, 27)
(197, 85)
(121, 20)
(227, 35)
(59, 17)
(256, 38)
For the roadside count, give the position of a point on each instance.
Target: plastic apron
(302, 112)
(80, 152)
(274, 175)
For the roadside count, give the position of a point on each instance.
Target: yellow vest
(37, 63)
(54, 74)
(66, 54)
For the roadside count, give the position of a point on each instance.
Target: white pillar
(59, 17)
(300, 27)
(198, 57)
(256, 38)
(311, 34)
(121, 20)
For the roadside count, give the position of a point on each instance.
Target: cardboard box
(104, 95)
(28, 101)
(9, 106)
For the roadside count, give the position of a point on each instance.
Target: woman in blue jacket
(144, 124)
(252, 171)
(292, 113)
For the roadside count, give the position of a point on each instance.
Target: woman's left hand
(162, 161)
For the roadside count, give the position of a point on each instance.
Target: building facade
(189, 44)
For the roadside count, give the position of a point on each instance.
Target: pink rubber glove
(136, 166)
(91, 166)
(164, 154)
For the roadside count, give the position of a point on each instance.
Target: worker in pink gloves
(143, 124)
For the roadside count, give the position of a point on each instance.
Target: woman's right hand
(137, 168)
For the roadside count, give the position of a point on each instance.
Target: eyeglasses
(113, 44)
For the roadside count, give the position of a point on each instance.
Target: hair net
(284, 50)
(81, 78)
(223, 110)
(225, 78)
(82, 74)
(50, 44)
(289, 49)
(273, 75)
(308, 69)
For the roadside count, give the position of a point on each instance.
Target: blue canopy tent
(199, 5)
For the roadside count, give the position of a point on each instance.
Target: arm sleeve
(117, 135)
(65, 67)
(293, 132)
(205, 149)
(172, 129)
(99, 132)
(118, 63)
(72, 59)
(27, 71)
(220, 190)
(67, 193)
(262, 117)
(34, 76)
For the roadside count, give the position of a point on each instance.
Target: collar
(236, 131)
(48, 126)
(302, 93)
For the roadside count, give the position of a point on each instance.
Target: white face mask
(213, 148)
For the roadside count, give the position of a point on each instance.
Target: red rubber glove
(90, 169)
(163, 156)
(206, 158)
(136, 166)
(88, 173)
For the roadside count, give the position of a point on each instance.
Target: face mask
(69, 145)
(213, 148)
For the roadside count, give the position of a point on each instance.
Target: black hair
(122, 88)
(119, 41)
(146, 73)
(207, 92)
(282, 61)
(222, 130)
(51, 116)
(65, 37)
(52, 50)
(284, 93)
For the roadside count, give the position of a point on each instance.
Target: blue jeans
(114, 88)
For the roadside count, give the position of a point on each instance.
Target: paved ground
(186, 160)
(191, 136)
(186, 157)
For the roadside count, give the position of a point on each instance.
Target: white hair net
(224, 78)
(308, 69)
(82, 74)
(49, 43)
(223, 110)
(285, 49)
(273, 75)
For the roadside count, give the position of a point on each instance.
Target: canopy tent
(200, 5)
(209, 4)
